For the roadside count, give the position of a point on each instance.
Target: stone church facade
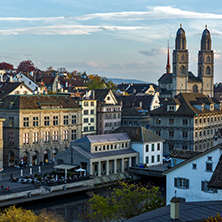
(181, 80)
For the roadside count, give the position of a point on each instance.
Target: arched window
(195, 88)
(208, 70)
(182, 70)
(208, 45)
(208, 59)
(182, 43)
(182, 58)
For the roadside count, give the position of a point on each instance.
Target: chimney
(174, 209)
(10, 78)
(141, 104)
(93, 94)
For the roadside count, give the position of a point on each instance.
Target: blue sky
(119, 39)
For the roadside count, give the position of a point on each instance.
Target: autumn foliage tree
(26, 66)
(97, 82)
(126, 201)
(13, 214)
(6, 66)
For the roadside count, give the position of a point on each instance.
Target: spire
(168, 60)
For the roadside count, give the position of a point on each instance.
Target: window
(158, 158)
(104, 147)
(152, 159)
(200, 120)
(73, 135)
(66, 120)
(85, 129)
(158, 132)
(55, 136)
(91, 128)
(35, 138)
(85, 120)
(35, 121)
(152, 147)
(185, 134)
(86, 112)
(209, 158)
(194, 166)
(171, 108)
(92, 103)
(184, 147)
(25, 138)
(158, 146)
(158, 121)
(86, 103)
(185, 121)
(181, 183)
(209, 167)
(171, 146)
(171, 134)
(55, 120)
(11, 138)
(205, 188)
(65, 135)
(92, 111)
(11, 121)
(147, 159)
(46, 136)
(26, 121)
(73, 119)
(147, 148)
(46, 120)
(171, 121)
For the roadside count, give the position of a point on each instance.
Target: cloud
(154, 51)
(65, 30)
(154, 13)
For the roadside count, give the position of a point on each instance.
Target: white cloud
(157, 13)
(66, 30)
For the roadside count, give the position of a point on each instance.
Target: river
(70, 206)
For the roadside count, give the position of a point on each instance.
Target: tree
(126, 201)
(13, 214)
(218, 218)
(6, 66)
(26, 66)
(97, 82)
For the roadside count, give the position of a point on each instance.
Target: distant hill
(119, 81)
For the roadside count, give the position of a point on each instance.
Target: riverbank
(31, 193)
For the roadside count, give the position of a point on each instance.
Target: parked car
(167, 159)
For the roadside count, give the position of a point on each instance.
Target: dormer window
(171, 108)
(202, 107)
(211, 107)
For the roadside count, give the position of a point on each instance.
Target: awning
(65, 166)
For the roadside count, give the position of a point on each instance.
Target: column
(130, 161)
(91, 168)
(122, 170)
(107, 167)
(99, 169)
(115, 166)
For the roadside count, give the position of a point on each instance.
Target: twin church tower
(182, 79)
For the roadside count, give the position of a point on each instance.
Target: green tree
(126, 201)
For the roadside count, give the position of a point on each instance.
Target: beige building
(37, 127)
(1, 143)
(189, 121)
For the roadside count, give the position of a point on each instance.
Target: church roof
(206, 32)
(193, 78)
(166, 78)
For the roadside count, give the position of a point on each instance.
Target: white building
(147, 144)
(190, 178)
(29, 81)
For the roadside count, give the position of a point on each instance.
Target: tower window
(208, 59)
(208, 70)
(182, 70)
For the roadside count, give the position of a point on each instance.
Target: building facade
(88, 116)
(188, 121)
(101, 154)
(37, 127)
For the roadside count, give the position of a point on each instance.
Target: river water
(70, 206)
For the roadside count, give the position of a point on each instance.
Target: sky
(115, 39)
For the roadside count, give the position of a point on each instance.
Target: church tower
(180, 63)
(206, 64)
